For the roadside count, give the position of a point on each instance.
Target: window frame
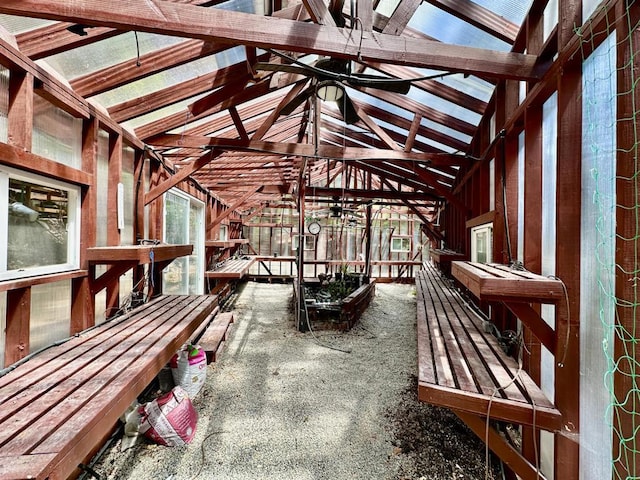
(73, 224)
(403, 239)
(198, 256)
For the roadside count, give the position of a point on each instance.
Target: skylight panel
(95, 56)
(511, 10)
(449, 29)
(172, 76)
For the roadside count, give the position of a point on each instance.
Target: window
(184, 224)
(309, 242)
(223, 235)
(482, 243)
(401, 244)
(40, 225)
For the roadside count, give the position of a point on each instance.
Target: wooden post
(17, 328)
(568, 226)
(20, 114)
(301, 213)
(113, 234)
(83, 304)
(532, 246)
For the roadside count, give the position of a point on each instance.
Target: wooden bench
(232, 269)
(213, 338)
(59, 406)
(463, 368)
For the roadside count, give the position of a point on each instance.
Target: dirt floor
(280, 404)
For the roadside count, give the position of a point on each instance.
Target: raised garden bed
(334, 303)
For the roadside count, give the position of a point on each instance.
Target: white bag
(189, 369)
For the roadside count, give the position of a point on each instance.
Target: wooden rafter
(266, 32)
(301, 150)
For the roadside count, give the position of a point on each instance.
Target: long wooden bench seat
(463, 368)
(58, 406)
(232, 269)
(213, 338)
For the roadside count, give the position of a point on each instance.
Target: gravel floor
(277, 405)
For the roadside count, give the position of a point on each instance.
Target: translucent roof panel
(447, 28)
(387, 7)
(246, 6)
(16, 25)
(442, 105)
(512, 10)
(172, 77)
(95, 56)
(161, 113)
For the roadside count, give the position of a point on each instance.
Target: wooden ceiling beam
(181, 175)
(165, 18)
(301, 150)
(160, 60)
(423, 131)
(270, 120)
(184, 117)
(375, 128)
(399, 20)
(53, 39)
(238, 203)
(384, 173)
(315, 193)
(319, 12)
(406, 103)
(411, 136)
(229, 90)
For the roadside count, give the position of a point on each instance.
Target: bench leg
(498, 445)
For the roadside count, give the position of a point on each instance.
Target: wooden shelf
(232, 269)
(137, 253)
(442, 255)
(516, 289)
(226, 243)
(40, 279)
(271, 258)
(494, 282)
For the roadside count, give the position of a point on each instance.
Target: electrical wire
(317, 340)
(340, 77)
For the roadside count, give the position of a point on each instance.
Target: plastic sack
(170, 419)
(131, 420)
(189, 369)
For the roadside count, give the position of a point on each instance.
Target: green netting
(611, 139)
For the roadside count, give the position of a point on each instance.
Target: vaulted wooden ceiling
(232, 127)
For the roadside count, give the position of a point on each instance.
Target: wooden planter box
(339, 315)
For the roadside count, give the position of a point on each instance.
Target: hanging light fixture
(329, 91)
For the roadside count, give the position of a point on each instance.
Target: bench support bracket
(498, 445)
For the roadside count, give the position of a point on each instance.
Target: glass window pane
(175, 221)
(37, 225)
